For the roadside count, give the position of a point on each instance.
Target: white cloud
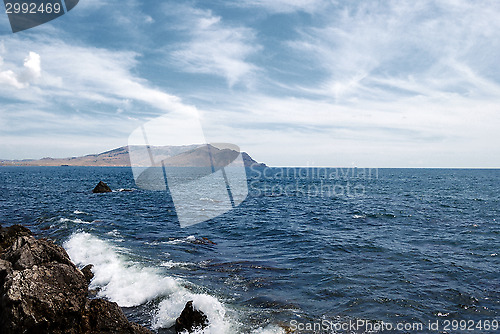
(31, 72)
(32, 68)
(87, 74)
(10, 78)
(79, 92)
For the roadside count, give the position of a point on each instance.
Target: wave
(171, 264)
(123, 190)
(170, 308)
(129, 284)
(207, 199)
(189, 239)
(76, 220)
(270, 329)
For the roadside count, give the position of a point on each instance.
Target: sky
(293, 83)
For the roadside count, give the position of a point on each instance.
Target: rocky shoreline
(42, 291)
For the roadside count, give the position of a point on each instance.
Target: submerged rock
(204, 241)
(42, 291)
(190, 319)
(102, 188)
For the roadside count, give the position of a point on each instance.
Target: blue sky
(294, 83)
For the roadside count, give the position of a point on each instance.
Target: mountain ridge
(119, 157)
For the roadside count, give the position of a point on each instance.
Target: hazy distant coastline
(119, 157)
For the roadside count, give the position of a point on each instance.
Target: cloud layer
(393, 83)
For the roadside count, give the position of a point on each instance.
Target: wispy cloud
(286, 6)
(214, 46)
(400, 40)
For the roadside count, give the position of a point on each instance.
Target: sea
(309, 250)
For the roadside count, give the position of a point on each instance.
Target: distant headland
(185, 156)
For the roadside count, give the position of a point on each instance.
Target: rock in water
(190, 319)
(42, 291)
(87, 272)
(102, 188)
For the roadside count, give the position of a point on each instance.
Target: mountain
(179, 156)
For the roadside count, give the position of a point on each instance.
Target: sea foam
(270, 329)
(170, 308)
(125, 282)
(76, 220)
(131, 284)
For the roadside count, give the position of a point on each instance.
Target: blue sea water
(311, 249)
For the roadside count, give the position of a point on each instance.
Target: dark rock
(190, 319)
(27, 252)
(93, 293)
(42, 299)
(5, 269)
(87, 272)
(204, 241)
(42, 291)
(102, 188)
(102, 316)
(9, 235)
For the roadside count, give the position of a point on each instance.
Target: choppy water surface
(308, 246)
